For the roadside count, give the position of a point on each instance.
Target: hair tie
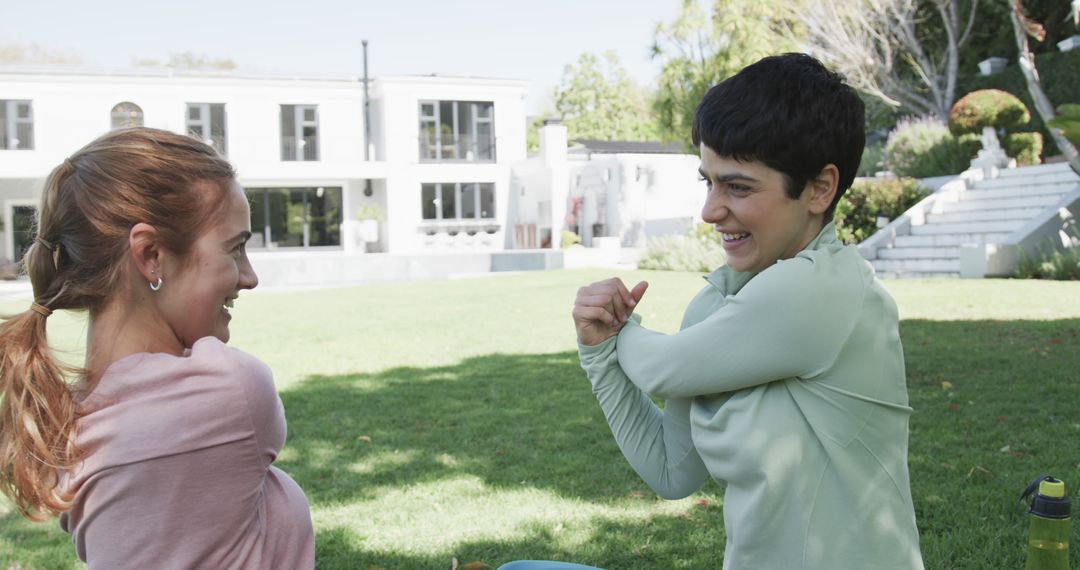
(54, 248)
(40, 309)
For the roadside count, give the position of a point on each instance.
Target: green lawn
(440, 420)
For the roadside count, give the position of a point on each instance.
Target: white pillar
(553, 154)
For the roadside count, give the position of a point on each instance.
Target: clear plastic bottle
(1051, 523)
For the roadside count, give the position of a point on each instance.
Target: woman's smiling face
(747, 202)
(199, 292)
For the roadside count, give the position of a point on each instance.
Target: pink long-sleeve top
(177, 469)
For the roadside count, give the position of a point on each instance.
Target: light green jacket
(788, 386)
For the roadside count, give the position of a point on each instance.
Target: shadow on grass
(510, 420)
(995, 404)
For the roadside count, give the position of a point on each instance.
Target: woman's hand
(602, 308)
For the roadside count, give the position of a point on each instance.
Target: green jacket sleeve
(788, 321)
(655, 442)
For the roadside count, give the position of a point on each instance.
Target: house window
(457, 201)
(299, 132)
(457, 130)
(16, 125)
(295, 217)
(206, 122)
(126, 114)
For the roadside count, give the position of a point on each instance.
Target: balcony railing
(460, 148)
(299, 148)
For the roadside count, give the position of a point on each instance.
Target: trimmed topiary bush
(987, 108)
(868, 198)
(1060, 74)
(924, 147)
(1026, 148)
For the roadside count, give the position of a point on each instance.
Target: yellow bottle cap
(1053, 489)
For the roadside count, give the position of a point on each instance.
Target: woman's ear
(145, 251)
(822, 189)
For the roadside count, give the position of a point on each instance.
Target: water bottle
(1048, 537)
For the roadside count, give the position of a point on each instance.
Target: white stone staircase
(970, 211)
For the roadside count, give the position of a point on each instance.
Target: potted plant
(369, 216)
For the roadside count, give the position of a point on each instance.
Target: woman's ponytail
(37, 418)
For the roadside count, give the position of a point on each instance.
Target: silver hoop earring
(156, 285)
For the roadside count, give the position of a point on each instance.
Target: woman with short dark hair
(786, 382)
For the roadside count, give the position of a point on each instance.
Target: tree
(33, 53)
(698, 51)
(597, 99)
(905, 52)
(1022, 28)
(189, 60)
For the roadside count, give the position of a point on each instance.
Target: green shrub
(570, 239)
(873, 160)
(1068, 120)
(1026, 148)
(706, 233)
(924, 147)
(987, 108)
(857, 212)
(700, 251)
(1056, 264)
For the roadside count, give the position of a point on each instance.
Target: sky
(512, 39)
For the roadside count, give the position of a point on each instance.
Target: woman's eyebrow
(729, 177)
(242, 236)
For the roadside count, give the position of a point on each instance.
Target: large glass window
(16, 125)
(457, 130)
(126, 114)
(457, 201)
(206, 122)
(295, 217)
(299, 132)
(23, 221)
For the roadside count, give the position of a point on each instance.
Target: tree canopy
(597, 99)
(698, 50)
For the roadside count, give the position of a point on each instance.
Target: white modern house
(612, 194)
(428, 160)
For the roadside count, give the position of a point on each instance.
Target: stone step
(1054, 189)
(984, 215)
(1055, 177)
(949, 240)
(917, 265)
(1043, 200)
(968, 227)
(918, 253)
(1024, 171)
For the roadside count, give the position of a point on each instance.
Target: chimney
(553, 142)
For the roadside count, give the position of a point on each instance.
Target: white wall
(72, 108)
(399, 99)
(637, 196)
